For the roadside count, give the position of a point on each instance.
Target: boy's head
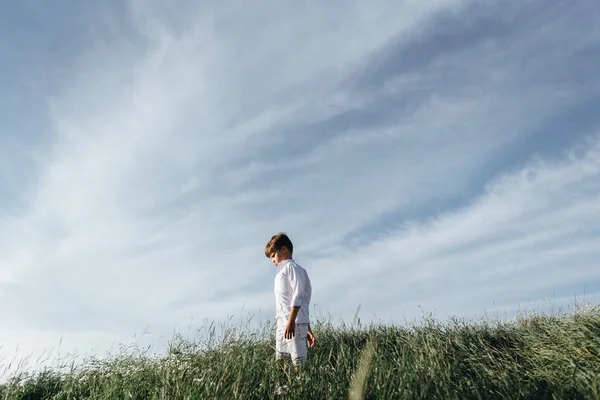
(279, 248)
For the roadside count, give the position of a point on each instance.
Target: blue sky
(438, 156)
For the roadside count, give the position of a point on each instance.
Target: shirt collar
(284, 262)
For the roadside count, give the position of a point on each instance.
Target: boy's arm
(294, 314)
(290, 329)
(298, 284)
(310, 338)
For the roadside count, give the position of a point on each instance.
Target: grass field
(533, 357)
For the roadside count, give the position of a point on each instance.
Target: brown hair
(277, 242)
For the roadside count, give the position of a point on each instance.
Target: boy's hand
(290, 330)
(310, 339)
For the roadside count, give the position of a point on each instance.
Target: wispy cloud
(417, 152)
(532, 235)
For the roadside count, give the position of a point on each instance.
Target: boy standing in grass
(293, 291)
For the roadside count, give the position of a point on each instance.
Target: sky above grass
(439, 156)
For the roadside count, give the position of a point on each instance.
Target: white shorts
(294, 348)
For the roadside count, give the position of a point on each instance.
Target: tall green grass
(533, 357)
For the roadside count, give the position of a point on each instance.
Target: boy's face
(280, 255)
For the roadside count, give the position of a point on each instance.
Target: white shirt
(292, 288)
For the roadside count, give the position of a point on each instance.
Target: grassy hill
(535, 357)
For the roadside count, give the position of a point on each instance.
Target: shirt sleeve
(298, 287)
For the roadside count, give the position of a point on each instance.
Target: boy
(293, 291)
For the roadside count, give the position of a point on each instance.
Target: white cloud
(530, 234)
